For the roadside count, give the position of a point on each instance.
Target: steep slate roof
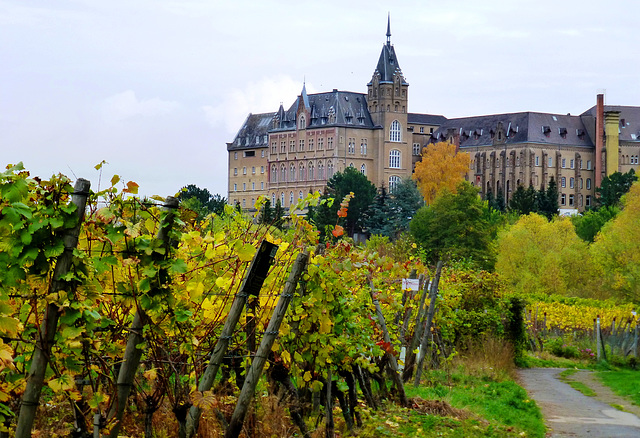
(252, 133)
(630, 130)
(524, 127)
(426, 119)
(350, 109)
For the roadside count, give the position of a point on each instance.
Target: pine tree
(379, 219)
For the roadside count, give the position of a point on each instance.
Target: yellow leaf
(307, 376)
(151, 374)
(286, 357)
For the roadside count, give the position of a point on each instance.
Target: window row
(570, 201)
(351, 146)
(244, 170)
(626, 159)
(301, 173)
(303, 146)
(572, 183)
(244, 186)
(509, 162)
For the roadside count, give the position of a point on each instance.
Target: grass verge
(565, 376)
(625, 383)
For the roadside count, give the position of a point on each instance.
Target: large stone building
(288, 153)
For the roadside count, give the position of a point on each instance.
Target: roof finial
(389, 29)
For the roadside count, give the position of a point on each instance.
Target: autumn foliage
(441, 168)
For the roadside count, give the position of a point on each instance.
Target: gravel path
(569, 413)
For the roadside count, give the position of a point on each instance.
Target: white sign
(410, 284)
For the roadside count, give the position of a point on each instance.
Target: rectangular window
(588, 183)
(244, 187)
(571, 200)
(262, 153)
(563, 182)
(363, 146)
(235, 187)
(571, 182)
(588, 201)
(563, 199)
(320, 144)
(283, 147)
(261, 186)
(310, 144)
(253, 170)
(244, 170)
(253, 186)
(537, 160)
(250, 153)
(588, 164)
(550, 164)
(572, 163)
(235, 171)
(274, 147)
(292, 146)
(235, 155)
(261, 169)
(330, 143)
(416, 149)
(564, 163)
(301, 147)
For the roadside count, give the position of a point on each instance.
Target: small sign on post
(412, 284)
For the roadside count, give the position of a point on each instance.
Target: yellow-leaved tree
(441, 168)
(537, 255)
(616, 249)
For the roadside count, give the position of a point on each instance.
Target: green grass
(565, 376)
(505, 405)
(625, 383)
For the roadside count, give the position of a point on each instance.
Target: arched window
(320, 170)
(394, 159)
(302, 122)
(563, 182)
(363, 170)
(310, 172)
(329, 169)
(588, 183)
(283, 173)
(350, 164)
(393, 183)
(282, 199)
(301, 172)
(290, 198)
(300, 195)
(292, 172)
(273, 199)
(394, 131)
(274, 173)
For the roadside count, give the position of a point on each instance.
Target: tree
(441, 168)
(616, 249)
(457, 226)
(405, 202)
(589, 224)
(340, 185)
(278, 215)
(379, 219)
(613, 187)
(548, 200)
(524, 200)
(201, 201)
(537, 255)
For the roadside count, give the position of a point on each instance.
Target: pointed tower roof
(305, 98)
(388, 65)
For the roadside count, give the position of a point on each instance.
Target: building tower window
(394, 159)
(329, 169)
(416, 149)
(363, 170)
(302, 122)
(394, 132)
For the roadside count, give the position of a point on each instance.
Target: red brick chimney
(599, 138)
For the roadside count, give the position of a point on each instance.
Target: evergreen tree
(267, 214)
(278, 214)
(406, 200)
(523, 200)
(613, 187)
(379, 219)
(499, 203)
(548, 200)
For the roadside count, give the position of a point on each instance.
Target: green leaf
(245, 252)
(115, 179)
(22, 209)
(55, 250)
(70, 316)
(179, 266)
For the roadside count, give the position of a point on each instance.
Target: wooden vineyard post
(329, 431)
(49, 325)
(395, 374)
(598, 338)
(132, 353)
(251, 285)
(248, 389)
(427, 327)
(417, 335)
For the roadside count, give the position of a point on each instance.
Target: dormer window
(302, 122)
(546, 130)
(562, 132)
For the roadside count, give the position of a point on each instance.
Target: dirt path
(568, 413)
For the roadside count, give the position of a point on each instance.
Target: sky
(156, 88)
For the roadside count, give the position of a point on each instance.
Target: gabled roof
(629, 127)
(524, 127)
(426, 119)
(345, 108)
(253, 131)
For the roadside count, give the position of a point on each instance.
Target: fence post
(598, 335)
(49, 325)
(427, 327)
(133, 354)
(417, 335)
(253, 375)
(251, 284)
(397, 379)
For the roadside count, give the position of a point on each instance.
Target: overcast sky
(157, 87)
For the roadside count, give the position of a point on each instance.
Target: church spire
(389, 29)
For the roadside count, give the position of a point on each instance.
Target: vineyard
(117, 310)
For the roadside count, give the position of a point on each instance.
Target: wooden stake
(49, 325)
(427, 328)
(253, 375)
